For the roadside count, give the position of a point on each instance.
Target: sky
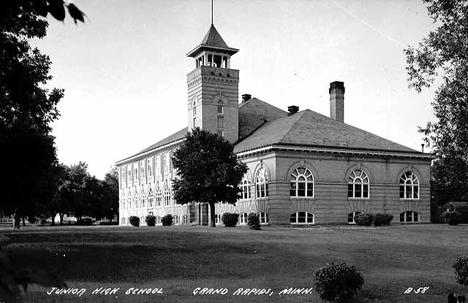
(124, 70)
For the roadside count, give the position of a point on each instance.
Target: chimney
(292, 110)
(337, 91)
(246, 97)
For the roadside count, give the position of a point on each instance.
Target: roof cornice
(142, 155)
(334, 150)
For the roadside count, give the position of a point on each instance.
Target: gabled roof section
(170, 139)
(308, 128)
(212, 41)
(254, 113)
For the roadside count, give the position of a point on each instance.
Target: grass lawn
(181, 259)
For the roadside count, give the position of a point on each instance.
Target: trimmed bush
(150, 220)
(253, 221)
(338, 282)
(451, 217)
(379, 219)
(134, 221)
(230, 219)
(463, 211)
(387, 219)
(364, 219)
(382, 219)
(461, 269)
(167, 220)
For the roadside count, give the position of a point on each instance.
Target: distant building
(304, 168)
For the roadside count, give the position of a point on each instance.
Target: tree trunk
(24, 223)
(61, 218)
(16, 220)
(212, 215)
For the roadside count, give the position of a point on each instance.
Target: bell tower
(213, 88)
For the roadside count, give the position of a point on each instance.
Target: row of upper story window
(145, 168)
(302, 185)
(162, 195)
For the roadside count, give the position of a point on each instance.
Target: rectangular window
(149, 167)
(221, 133)
(220, 122)
(142, 169)
(301, 189)
(366, 191)
(220, 109)
(157, 164)
(350, 190)
(292, 191)
(358, 193)
(310, 189)
(135, 171)
(166, 163)
(129, 174)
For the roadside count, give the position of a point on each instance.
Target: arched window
(261, 183)
(263, 217)
(143, 198)
(302, 218)
(158, 195)
(352, 217)
(409, 217)
(135, 199)
(302, 183)
(243, 218)
(220, 107)
(150, 198)
(167, 194)
(358, 185)
(245, 187)
(409, 186)
(122, 201)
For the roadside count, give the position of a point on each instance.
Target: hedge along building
(304, 168)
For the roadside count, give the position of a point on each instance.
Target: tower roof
(212, 41)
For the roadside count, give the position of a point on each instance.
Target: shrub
(32, 219)
(382, 219)
(150, 220)
(167, 220)
(379, 219)
(364, 219)
(338, 282)
(451, 217)
(461, 269)
(230, 219)
(463, 210)
(387, 219)
(134, 220)
(253, 221)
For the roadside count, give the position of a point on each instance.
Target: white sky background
(124, 70)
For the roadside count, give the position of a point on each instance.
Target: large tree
(26, 110)
(207, 171)
(443, 54)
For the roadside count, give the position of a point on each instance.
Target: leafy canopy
(207, 169)
(443, 54)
